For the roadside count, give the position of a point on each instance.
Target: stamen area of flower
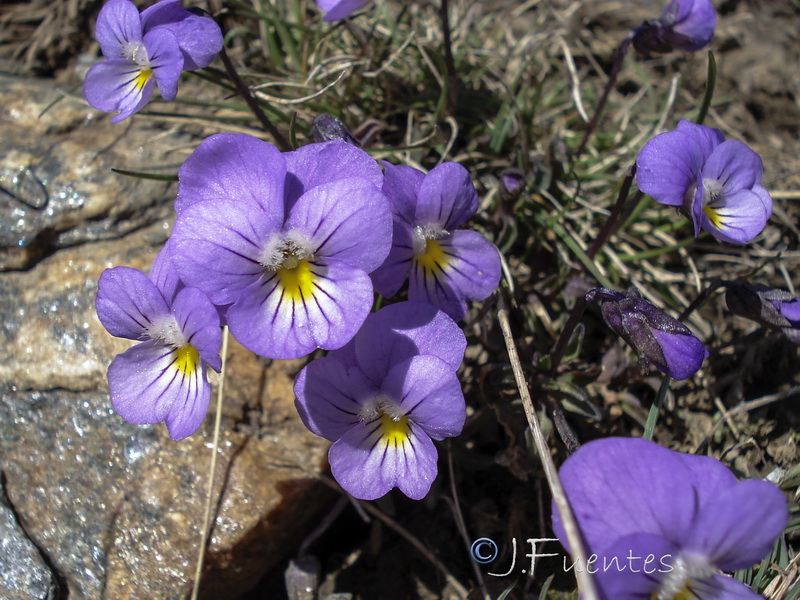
(296, 278)
(687, 570)
(393, 426)
(428, 251)
(713, 215)
(394, 433)
(285, 250)
(167, 331)
(142, 78)
(187, 359)
(712, 193)
(136, 52)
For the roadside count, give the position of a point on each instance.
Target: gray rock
(23, 571)
(57, 188)
(117, 509)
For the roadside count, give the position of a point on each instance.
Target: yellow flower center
(187, 359)
(433, 259)
(713, 216)
(142, 78)
(394, 432)
(296, 278)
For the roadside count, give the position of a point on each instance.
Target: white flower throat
(285, 251)
(167, 331)
(136, 52)
(423, 233)
(687, 570)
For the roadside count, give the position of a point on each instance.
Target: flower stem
(616, 216)
(452, 76)
(652, 416)
(574, 539)
(616, 67)
(211, 469)
(566, 333)
(244, 92)
(702, 297)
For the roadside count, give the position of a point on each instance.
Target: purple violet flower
(446, 267)
(163, 378)
(199, 37)
(512, 183)
(336, 10)
(661, 524)
(716, 183)
(382, 399)
(288, 240)
(146, 50)
(658, 339)
(771, 307)
(685, 24)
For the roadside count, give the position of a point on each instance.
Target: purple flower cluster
(146, 50)
(716, 183)
(684, 24)
(382, 399)
(661, 524)
(282, 247)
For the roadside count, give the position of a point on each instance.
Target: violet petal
(128, 302)
(234, 167)
(400, 331)
(199, 322)
(428, 391)
(165, 60)
(446, 197)
(118, 85)
(367, 462)
(392, 274)
(317, 164)
(276, 321)
(401, 185)
(738, 527)
(347, 220)
(118, 25)
(329, 396)
(198, 36)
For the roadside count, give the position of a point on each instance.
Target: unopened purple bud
(658, 339)
(684, 24)
(772, 308)
(325, 128)
(512, 183)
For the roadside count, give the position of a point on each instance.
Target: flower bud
(512, 183)
(325, 128)
(684, 24)
(658, 339)
(772, 308)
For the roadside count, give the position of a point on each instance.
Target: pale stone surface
(23, 571)
(117, 509)
(56, 184)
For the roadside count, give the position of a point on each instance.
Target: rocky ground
(93, 507)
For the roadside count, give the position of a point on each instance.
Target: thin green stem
(566, 333)
(244, 92)
(652, 416)
(616, 67)
(610, 226)
(452, 76)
